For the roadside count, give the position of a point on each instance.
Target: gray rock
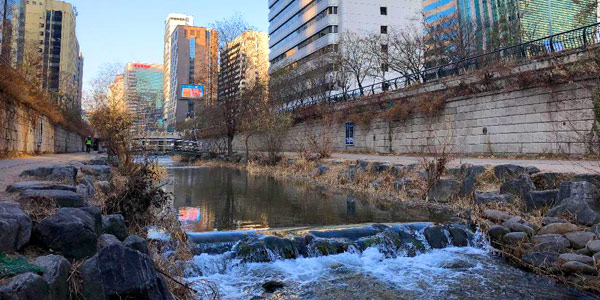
(579, 198)
(321, 169)
(595, 229)
(59, 173)
(496, 232)
(97, 162)
(583, 251)
(15, 227)
(518, 187)
(96, 214)
(272, 285)
(519, 227)
(540, 199)
(57, 270)
(456, 173)
(541, 259)
(118, 272)
(436, 237)
(136, 243)
(460, 236)
(88, 182)
(100, 172)
(550, 242)
(38, 185)
(558, 228)
(70, 231)
(491, 197)
(362, 164)
(579, 239)
(403, 184)
(61, 197)
(510, 171)
(552, 220)
(514, 238)
(496, 215)
(576, 267)
(594, 179)
(380, 167)
(26, 286)
(105, 240)
(115, 225)
(593, 246)
(444, 190)
(596, 257)
(469, 182)
(399, 170)
(566, 257)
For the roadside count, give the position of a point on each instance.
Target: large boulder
(60, 173)
(436, 237)
(496, 232)
(518, 187)
(115, 225)
(118, 272)
(15, 227)
(467, 187)
(26, 286)
(491, 197)
(566, 257)
(444, 190)
(541, 259)
(38, 185)
(70, 231)
(57, 270)
(510, 171)
(496, 215)
(579, 198)
(136, 243)
(550, 242)
(100, 172)
(380, 167)
(62, 198)
(546, 180)
(576, 267)
(105, 240)
(540, 199)
(579, 239)
(514, 238)
(96, 213)
(558, 228)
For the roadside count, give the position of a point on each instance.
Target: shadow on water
(218, 198)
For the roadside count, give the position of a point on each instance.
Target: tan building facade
(173, 20)
(245, 62)
(47, 42)
(116, 93)
(194, 67)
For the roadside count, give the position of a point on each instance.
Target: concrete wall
(24, 131)
(539, 118)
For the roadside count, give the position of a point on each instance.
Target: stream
(332, 244)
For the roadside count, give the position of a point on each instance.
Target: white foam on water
(425, 272)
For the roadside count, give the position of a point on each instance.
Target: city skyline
(145, 29)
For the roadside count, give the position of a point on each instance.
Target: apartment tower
(244, 63)
(47, 41)
(301, 30)
(172, 21)
(194, 72)
(143, 93)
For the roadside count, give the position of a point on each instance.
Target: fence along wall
(24, 131)
(547, 119)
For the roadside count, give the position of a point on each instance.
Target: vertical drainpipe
(551, 31)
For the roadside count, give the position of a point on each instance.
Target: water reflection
(229, 199)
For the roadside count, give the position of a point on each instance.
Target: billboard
(189, 91)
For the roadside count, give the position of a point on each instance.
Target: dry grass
(38, 208)
(75, 281)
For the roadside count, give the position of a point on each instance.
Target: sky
(122, 31)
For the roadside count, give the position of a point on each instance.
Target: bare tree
(354, 58)
(229, 29)
(6, 30)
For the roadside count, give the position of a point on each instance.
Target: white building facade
(171, 23)
(300, 28)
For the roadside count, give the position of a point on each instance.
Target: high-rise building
(116, 93)
(194, 72)
(435, 11)
(172, 21)
(47, 41)
(243, 63)
(302, 30)
(143, 85)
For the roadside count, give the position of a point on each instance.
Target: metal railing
(579, 38)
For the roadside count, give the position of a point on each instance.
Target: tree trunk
(229, 145)
(247, 150)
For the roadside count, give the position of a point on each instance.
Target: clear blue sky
(121, 31)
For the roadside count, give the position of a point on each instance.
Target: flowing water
(324, 244)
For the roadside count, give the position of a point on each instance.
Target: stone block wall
(25, 131)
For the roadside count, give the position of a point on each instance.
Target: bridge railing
(579, 38)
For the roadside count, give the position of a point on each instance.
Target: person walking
(88, 144)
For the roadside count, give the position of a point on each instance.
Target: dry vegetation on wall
(16, 90)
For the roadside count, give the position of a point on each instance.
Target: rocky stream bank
(55, 244)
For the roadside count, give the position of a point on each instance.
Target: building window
(384, 48)
(349, 134)
(384, 29)
(383, 11)
(385, 67)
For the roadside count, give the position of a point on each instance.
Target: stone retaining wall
(544, 118)
(25, 131)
